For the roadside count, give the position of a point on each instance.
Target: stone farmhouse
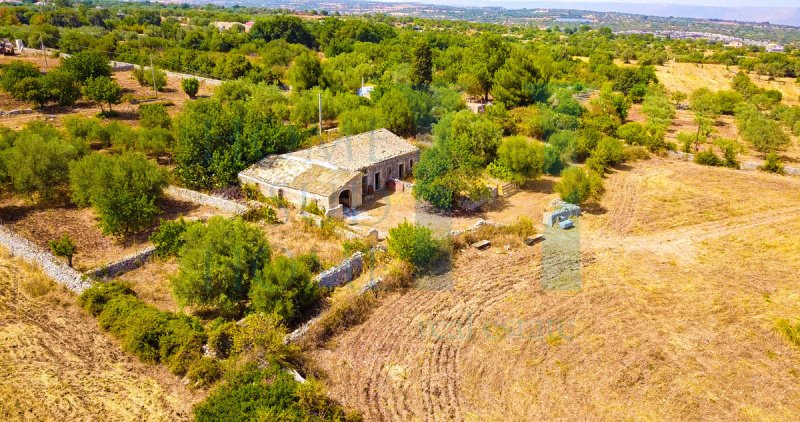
(336, 175)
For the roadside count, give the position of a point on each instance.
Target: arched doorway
(344, 198)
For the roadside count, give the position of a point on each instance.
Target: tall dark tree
(422, 63)
(519, 82)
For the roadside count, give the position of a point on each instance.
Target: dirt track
(671, 320)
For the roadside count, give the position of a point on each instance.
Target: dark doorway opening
(378, 181)
(344, 198)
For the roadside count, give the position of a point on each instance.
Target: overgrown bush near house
(264, 213)
(251, 192)
(217, 264)
(412, 243)
(312, 207)
(772, 164)
(284, 288)
(168, 237)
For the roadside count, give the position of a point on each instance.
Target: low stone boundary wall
(200, 198)
(129, 263)
(50, 265)
(16, 112)
(343, 273)
(746, 166)
(478, 224)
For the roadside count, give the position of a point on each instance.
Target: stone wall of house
(50, 265)
(129, 263)
(343, 273)
(222, 204)
(390, 169)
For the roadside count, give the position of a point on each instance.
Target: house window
(400, 172)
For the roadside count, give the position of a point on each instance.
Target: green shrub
(312, 207)
(168, 238)
(124, 190)
(150, 334)
(154, 115)
(412, 243)
(220, 337)
(574, 186)
(284, 288)
(707, 158)
(311, 261)
(190, 86)
(261, 336)
(204, 371)
(399, 275)
(95, 298)
(264, 213)
(772, 164)
(268, 394)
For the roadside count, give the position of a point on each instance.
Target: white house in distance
(335, 175)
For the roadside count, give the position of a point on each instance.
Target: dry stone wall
(200, 198)
(343, 273)
(50, 265)
(124, 265)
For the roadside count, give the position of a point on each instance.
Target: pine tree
(422, 64)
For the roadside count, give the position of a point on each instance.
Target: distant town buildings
(691, 35)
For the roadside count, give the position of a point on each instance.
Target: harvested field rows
(674, 320)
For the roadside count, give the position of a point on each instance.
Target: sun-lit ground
(56, 363)
(685, 270)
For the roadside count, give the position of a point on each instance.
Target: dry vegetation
(56, 364)
(687, 77)
(682, 282)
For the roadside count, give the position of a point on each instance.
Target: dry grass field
(687, 77)
(685, 269)
(56, 364)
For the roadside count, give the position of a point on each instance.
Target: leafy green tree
(519, 82)
(87, 65)
(124, 190)
(360, 120)
(168, 238)
(218, 262)
(38, 164)
(103, 90)
(488, 54)
(62, 87)
(190, 86)
(64, 247)
(523, 159)
(284, 288)
(706, 109)
(288, 28)
(154, 115)
(422, 64)
(396, 108)
(16, 71)
(305, 71)
(413, 243)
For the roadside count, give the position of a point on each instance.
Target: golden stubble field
(56, 363)
(685, 269)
